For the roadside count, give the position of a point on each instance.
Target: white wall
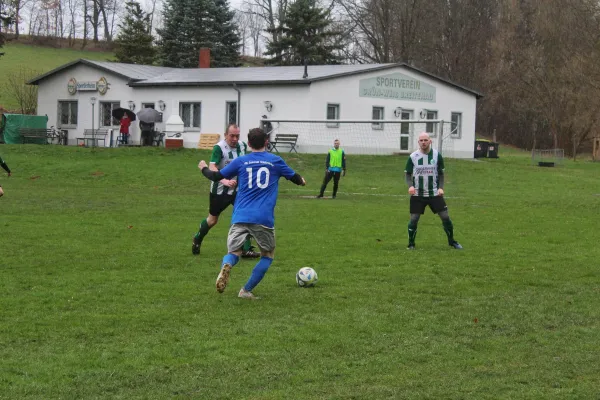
(300, 102)
(345, 91)
(54, 89)
(289, 102)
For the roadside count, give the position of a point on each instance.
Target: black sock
(449, 229)
(412, 233)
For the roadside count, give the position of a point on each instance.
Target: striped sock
(203, 231)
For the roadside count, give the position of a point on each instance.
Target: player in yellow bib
(335, 166)
(424, 174)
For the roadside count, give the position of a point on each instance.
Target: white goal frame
(377, 137)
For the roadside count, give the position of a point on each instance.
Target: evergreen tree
(192, 24)
(226, 50)
(306, 35)
(134, 41)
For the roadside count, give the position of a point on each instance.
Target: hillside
(40, 59)
(37, 59)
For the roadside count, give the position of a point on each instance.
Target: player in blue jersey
(254, 210)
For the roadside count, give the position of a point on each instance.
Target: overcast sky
(236, 4)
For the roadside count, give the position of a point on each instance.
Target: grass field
(37, 59)
(101, 297)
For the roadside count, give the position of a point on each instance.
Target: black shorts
(219, 202)
(418, 204)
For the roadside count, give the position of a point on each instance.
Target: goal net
(363, 137)
(548, 157)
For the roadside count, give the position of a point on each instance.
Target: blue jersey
(258, 183)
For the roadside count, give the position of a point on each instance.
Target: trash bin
(493, 150)
(481, 148)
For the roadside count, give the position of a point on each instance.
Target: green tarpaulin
(12, 122)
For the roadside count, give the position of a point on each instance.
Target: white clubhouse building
(207, 99)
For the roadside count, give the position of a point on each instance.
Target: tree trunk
(107, 35)
(152, 16)
(17, 17)
(95, 21)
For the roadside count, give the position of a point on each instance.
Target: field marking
(362, 194)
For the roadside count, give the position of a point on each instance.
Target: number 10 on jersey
(262, 177)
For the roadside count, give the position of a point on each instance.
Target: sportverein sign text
(397, 87)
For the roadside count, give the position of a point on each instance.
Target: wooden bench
(36, 135)
(208, 140)
(93, 136)
(285, 139)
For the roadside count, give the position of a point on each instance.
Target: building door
(406, 130)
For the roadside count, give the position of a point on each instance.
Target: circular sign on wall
(72, 86)
(423, 114)
(102, 85)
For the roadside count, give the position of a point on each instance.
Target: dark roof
(131, 72)
(145, 75)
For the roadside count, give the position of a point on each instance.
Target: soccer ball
(306, 277)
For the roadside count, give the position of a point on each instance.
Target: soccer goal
(363, 136)
(548, 157)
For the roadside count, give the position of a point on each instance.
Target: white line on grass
(363, 194)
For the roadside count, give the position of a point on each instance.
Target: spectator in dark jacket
(147, 129)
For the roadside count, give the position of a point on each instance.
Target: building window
(190, 114)
(231, 113)
(333, 112)
(377, 114)
(456, 124)
(431, 127)
(106, 109)
(67, 114)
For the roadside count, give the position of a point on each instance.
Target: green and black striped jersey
(425, 170)
(222, 155)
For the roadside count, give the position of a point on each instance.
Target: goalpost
(377, 137)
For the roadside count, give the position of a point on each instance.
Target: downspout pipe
(239, 103)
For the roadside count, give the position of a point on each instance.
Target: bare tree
(256, 27)
(385, 30)
(151, 13)
(544, 68)
(26, 95)
(242, 22)
(458, 39)
(103, 7)
(271, 12)
(71, 8)
(19, 5)
(85, 23)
